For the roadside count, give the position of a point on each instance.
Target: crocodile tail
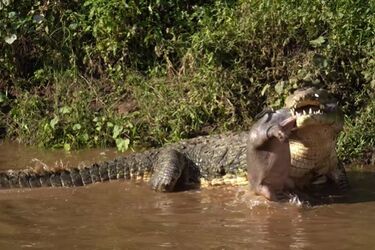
(131, 167)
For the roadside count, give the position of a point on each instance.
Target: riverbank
(105, 73)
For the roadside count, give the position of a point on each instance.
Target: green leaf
(318, 42)
(73, 26)
(116, 131)
(10, 39)
(122, 144)
(276, 104)
(67, 147)
(12, 14)
(265, 88)
(85, 137)
(279, 87)
(53, 122)
(6, 2)
(77, 126)
(372, 84)
(65, 110)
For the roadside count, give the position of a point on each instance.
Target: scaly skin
(319, 120)
(201, 161)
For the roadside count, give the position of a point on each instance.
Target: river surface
(126, 215)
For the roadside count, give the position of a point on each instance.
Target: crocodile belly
(317, 159)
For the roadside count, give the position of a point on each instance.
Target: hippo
(268, 155)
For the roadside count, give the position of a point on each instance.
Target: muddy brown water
(126, 215)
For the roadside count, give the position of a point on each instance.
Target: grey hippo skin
(268, 154)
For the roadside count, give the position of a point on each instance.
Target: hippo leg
(265, 191)
(272, 195)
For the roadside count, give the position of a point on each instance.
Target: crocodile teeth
(310, 111)
(304, 112)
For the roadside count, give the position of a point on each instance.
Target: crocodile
(200, 161)
(294, 147)
(319, 120)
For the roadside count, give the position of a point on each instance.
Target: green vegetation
(358, 139)
(103, 73)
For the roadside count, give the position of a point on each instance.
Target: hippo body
(268, 154)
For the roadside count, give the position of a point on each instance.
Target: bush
(359, 135)
(178, 68)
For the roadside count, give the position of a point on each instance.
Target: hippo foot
(272, 195)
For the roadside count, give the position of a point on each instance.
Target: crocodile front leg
(172, 171)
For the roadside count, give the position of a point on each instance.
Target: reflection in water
(299, 238)
(280, 226)
(126, 215)
(17, 156)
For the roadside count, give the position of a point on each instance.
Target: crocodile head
(312, 106)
